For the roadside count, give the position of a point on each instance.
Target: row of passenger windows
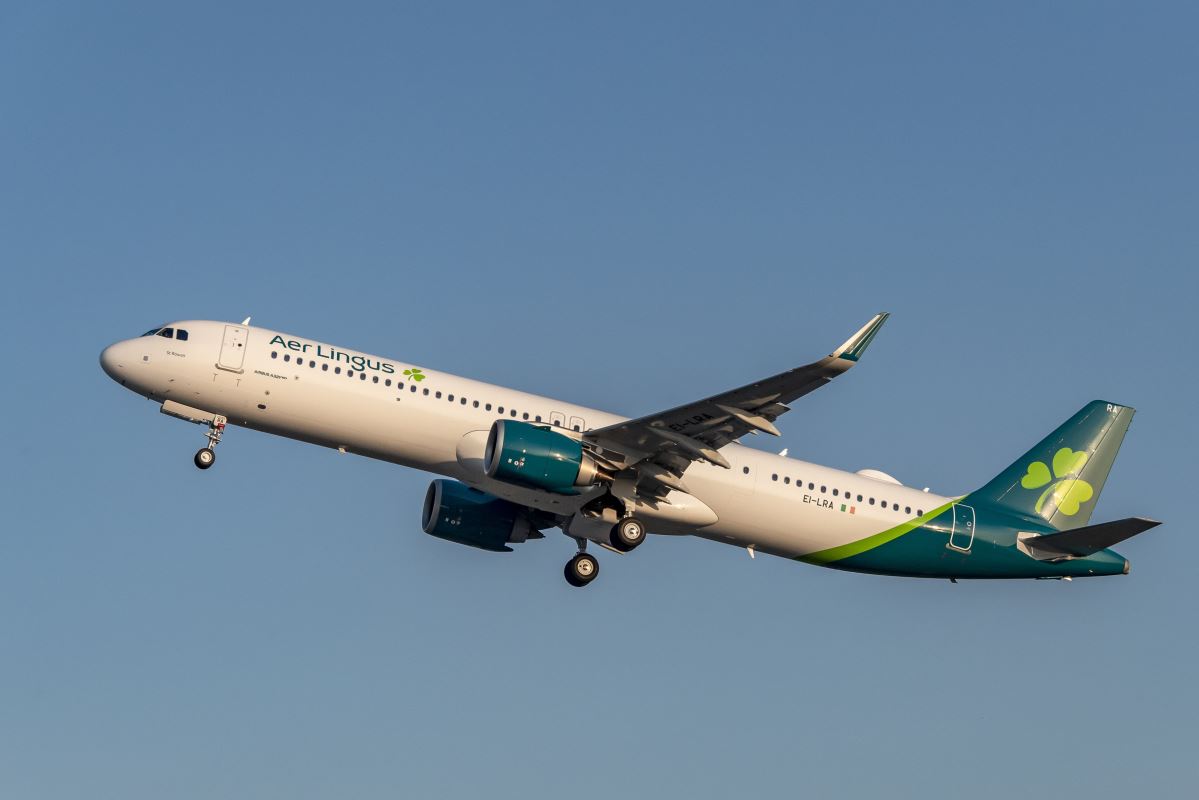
(846, 494)
(412, 387)
(168, 333)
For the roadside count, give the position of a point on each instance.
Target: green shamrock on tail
(415, 374)
(1069, 491)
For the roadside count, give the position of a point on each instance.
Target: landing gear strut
(582, 569)
(206, 456)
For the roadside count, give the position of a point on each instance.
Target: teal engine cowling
(458, 513)
(538, 456)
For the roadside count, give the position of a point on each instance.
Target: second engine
(456, 512)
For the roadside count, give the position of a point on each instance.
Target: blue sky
(630, 207)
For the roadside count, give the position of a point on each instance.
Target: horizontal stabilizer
(1084, 541)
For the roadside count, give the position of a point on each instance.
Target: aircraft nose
(110, 361)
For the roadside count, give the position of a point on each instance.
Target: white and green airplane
(516, 464)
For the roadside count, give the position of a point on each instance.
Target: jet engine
(458, 513)
(538, 456)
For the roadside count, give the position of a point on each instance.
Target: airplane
(514, 464)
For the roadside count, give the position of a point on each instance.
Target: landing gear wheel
(581, 570)
(627, 534)
(205, 458)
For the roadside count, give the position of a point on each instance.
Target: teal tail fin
(1060, 479)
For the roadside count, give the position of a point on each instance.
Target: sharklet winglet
(853, 347)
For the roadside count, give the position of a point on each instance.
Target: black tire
(627, 534)
(205, 458)
(581, 570)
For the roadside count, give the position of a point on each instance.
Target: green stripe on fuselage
(844, 551)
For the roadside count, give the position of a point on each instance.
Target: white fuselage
(339, 398)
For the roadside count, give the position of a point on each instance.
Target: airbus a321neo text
(515, 464)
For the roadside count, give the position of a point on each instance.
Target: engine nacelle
(538, 456)
(456, 512)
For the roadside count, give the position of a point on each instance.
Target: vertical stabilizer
(1060, 479)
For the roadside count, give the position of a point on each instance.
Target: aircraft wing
(663, 445)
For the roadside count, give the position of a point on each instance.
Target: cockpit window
(181, 335)
(151, 332)
(167, 333)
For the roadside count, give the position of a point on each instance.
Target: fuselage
(420, 417)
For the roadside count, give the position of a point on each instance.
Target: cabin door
(233, 348)
(961, 536)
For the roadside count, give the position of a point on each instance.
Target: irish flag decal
(848, 508)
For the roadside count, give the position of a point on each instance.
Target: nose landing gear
(206, 456)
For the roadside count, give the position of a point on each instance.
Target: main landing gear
(206, 457)
(582, 569)
(627, 534)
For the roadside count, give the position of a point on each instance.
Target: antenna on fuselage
(245, 321)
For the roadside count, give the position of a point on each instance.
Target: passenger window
(500, 410)
(438, 395)
(895, 507)
(476, 404)
(181, 335)
(274, 354)
(919, 513)
(745, 470)
(525, 415)
(167, 333)
(451, 398)
(786, 481)
(337, 370)
(311, 364)
(299, 361)
(425, 392)
(375, 379)
(859, 498)
(324, 367)
(462, 401)
(823, 489)
(287, 357)
(811, 486)
(487, 407)
(537, 418)
(774, 477)
(871, 501)
(907, 510)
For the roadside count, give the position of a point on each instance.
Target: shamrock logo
(1068, 491)
(415, 374)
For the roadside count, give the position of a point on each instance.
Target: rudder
(1060, 479)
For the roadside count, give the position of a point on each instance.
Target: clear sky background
(628, 206)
